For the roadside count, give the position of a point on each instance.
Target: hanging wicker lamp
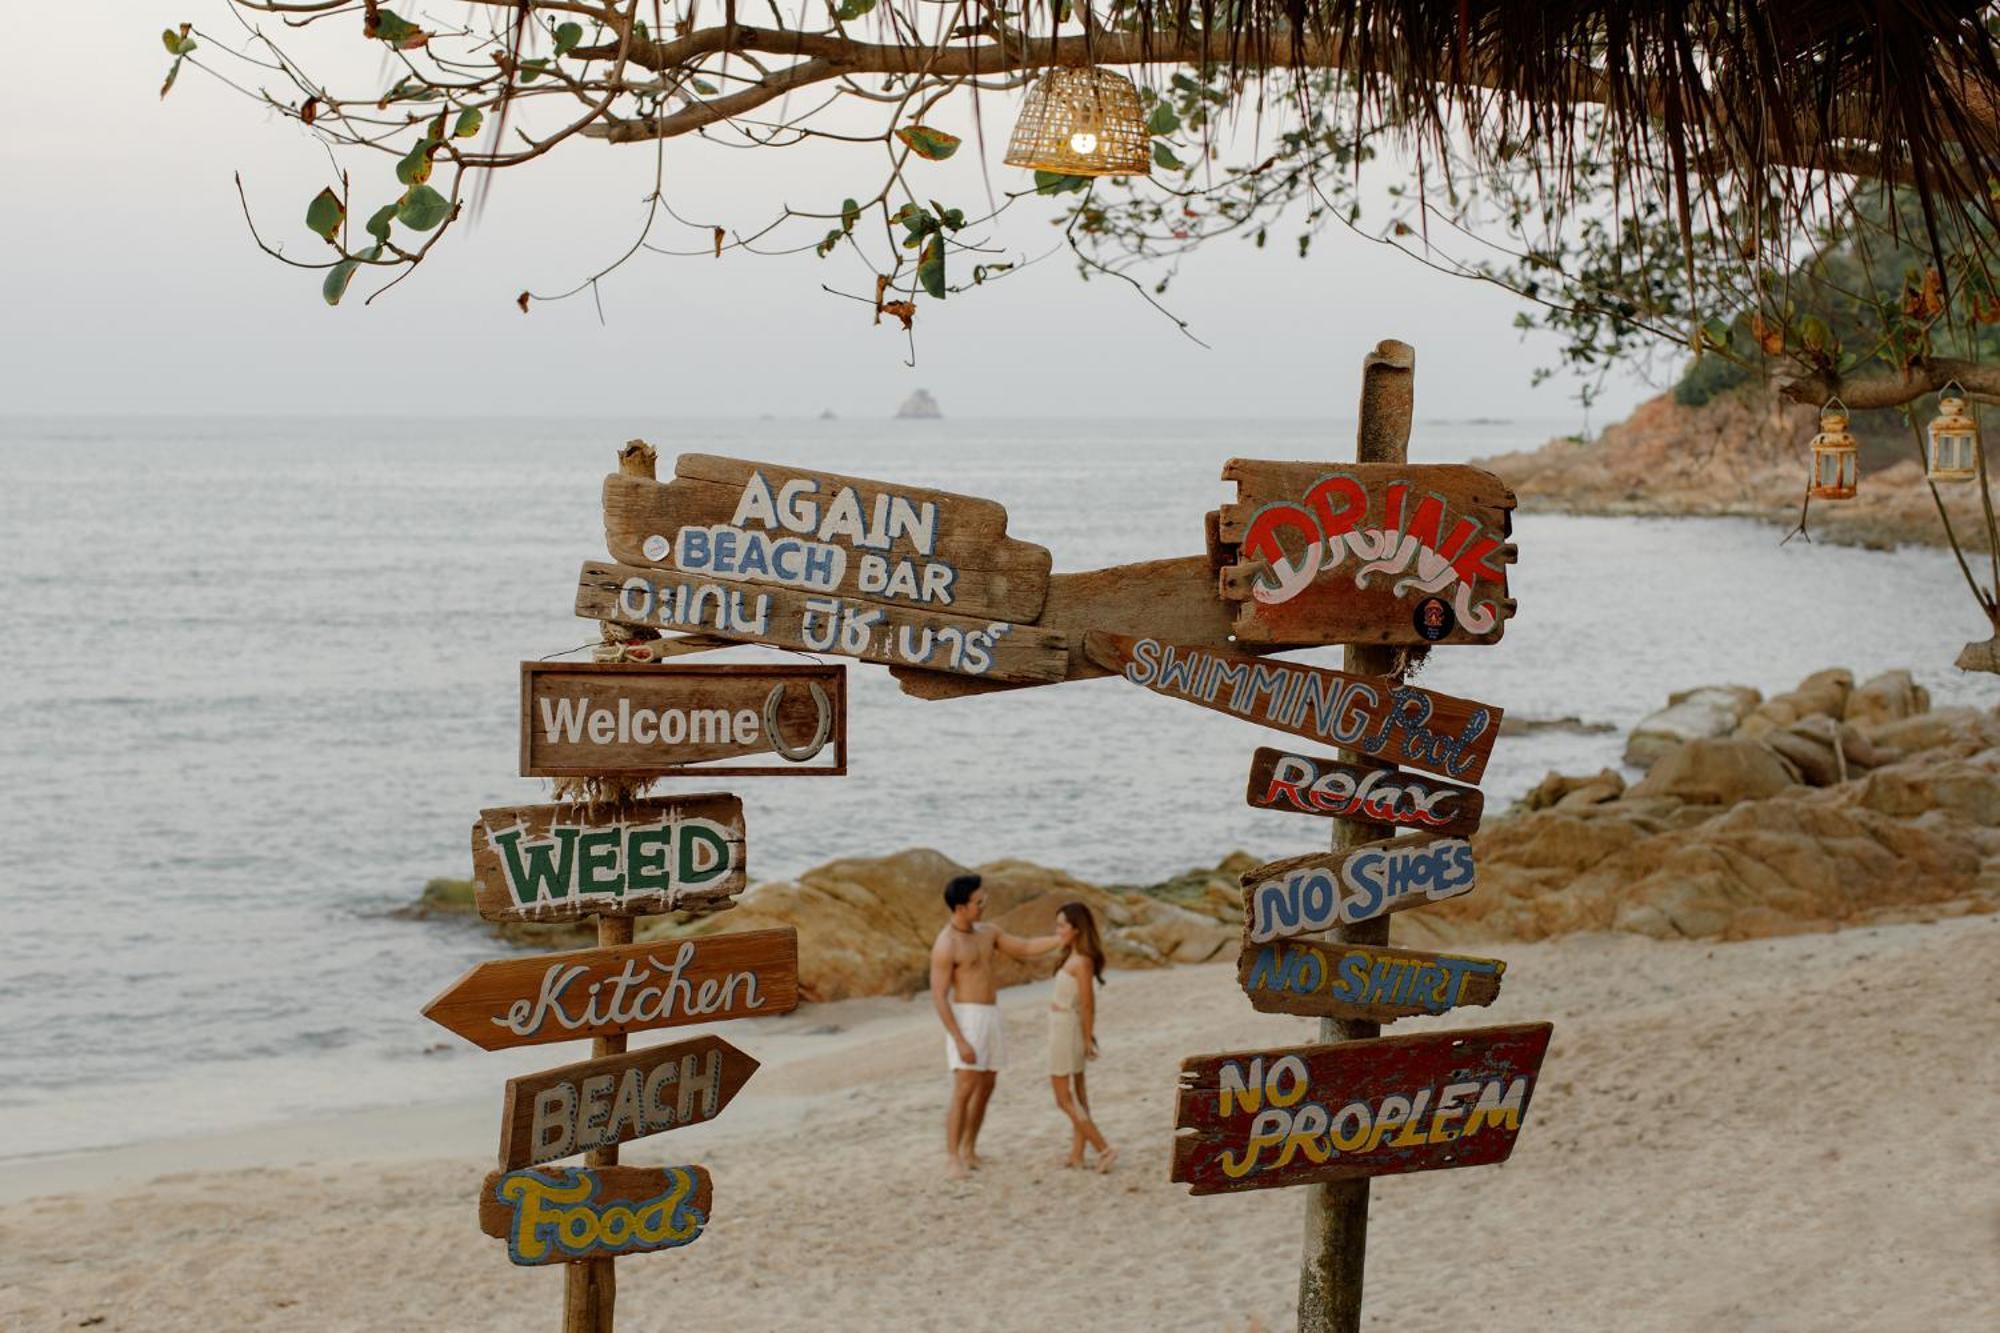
(1082, 122)
(1954, 438)
(1836, 462)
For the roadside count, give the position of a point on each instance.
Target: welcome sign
(563, 862)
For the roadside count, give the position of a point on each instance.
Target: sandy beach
(1781, 1134)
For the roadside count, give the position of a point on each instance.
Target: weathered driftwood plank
(630, 988)
(1257, 1119)
(598, 1103)
(1310, 785)
(635, 858)
(1303, 895)
(570, 1214)
(1402, 553)
(820, 623)
(821, 532)
(1400, 723)
(636, 719)
(1364, 981)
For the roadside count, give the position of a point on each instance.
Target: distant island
(919, 406)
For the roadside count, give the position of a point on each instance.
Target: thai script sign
(1400, 723)
(1321, 980)
(1366, 552)
(1304, 895)
(821, 623)
(625, 719)
(823, 533)
(598, 1103)
(562, 862)
(556, 1217)
(1258, 1119)
(1309, 785)
(629, 988)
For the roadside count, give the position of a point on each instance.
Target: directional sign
(1309, 785)
(820, 623)
(629, 988)
(636, 719)
(636, 858)
(1256, 1119)
(1321, 980)
(599, 1103)
(1402, 553)
(820, 532)
(1400, 723)
(1303, 895)
(561, 1216)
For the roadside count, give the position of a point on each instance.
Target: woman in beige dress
(1073, 1030)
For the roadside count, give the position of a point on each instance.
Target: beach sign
(571, 1214)
(1402, 724)
(598, 1103)
(1298, 1115)
(625, 988)
(1369, 553)
(1304, 895)
(637, 719)
(1362, 981)
(1311, 785)
(631, 858)
(817, 622)
(827, 534)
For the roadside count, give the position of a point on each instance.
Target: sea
(258, 676)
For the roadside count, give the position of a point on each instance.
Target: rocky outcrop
(919, 406)
(1714, 710)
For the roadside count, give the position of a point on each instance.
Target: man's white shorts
(982, 1028)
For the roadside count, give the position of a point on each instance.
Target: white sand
(1792, 1134)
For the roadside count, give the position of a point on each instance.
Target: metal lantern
(1954, 438)
(1082, 122)
(1835, 465)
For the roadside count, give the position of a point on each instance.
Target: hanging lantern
(1954, 438)
(1836, 466)
(1082, 122)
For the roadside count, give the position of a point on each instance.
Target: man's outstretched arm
(1032, 947)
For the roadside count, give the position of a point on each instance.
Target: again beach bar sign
(625, 719)
(634, 858)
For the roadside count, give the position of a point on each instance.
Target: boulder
(1889, 697)
(1822, 692)
(1719, 771)
(1965, 789)
(1810, 755)
(1963, 728)
(1713, 710)
(1559, 791)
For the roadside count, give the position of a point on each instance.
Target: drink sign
(1304, 895)
(1361, 981)
(1295, 1116)
(1309, 785)
(627, 988)
(626, 719)
(599, 1103)
(1366, 552)
(1400, 723)
(563, 1216)
(563, 862)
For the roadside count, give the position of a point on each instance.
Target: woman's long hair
(1080, 920)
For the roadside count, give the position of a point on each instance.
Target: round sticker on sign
(1434, 619)
(656, 547)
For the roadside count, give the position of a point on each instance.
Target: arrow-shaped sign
(599, 1103)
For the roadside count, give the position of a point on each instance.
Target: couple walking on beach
(963, 989)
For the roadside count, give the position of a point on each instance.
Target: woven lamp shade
(1082, 122)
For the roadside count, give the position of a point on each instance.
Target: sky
(133, 286)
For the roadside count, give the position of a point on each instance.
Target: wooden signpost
(600, 1103)
(633, 858)
(1400, 723)
(1358, 981)
(1309, 785)
(579, 1214)
(1302, 895)
(1250, 1120)
(637, 720)
(630, 988)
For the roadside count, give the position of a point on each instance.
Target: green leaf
(1716, 331)
(173, 72)
(826, 247)
(704, 87)
(1163, 156)
(324, 214)
(468, 123)
(177, 43)
(1164, 120)
(930, 267)
(1055, 182)
(423, 208)
(853, 9)
(395, 30)
(533, 69)
(925, 142)
(567, 37)
(337, 279)
(379, 220)
(414, 168)
(850, 213)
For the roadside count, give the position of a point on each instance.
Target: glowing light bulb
(1083, 142)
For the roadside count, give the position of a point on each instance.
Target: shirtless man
(962, 989)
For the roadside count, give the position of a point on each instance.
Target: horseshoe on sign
(821, 704)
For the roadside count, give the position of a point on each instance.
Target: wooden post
(590, 1290)
(1336, 1238)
